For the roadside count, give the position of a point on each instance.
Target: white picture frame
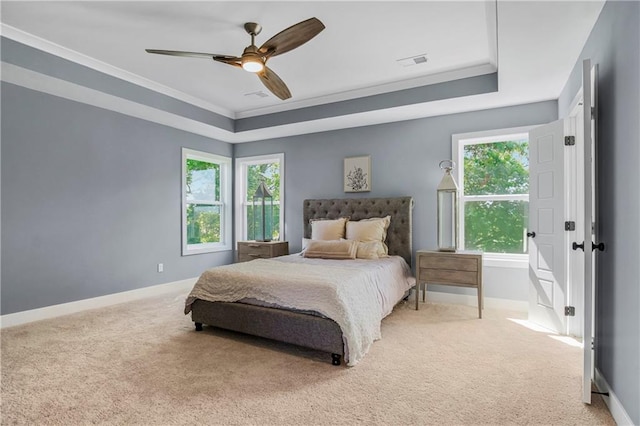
(357, 174)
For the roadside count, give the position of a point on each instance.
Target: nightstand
(249, 250)
(462, 268)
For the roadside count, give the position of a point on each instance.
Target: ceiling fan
(254, 59)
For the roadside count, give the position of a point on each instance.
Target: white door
(548, 241)
(589, 122)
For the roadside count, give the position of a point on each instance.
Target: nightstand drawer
(447, 276)
(249, 250)
(254, 248)
(245, 257)
(450, 262)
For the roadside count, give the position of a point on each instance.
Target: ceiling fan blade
(274, 83)
(292, 37)
(214, 56)
(230, 60)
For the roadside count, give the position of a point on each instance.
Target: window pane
(496, 168)
(203, 223)
(496, 226)
(203, 181)
(270, 172)
(253, 225)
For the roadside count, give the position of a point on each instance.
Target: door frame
(586, 232)
(575, 268)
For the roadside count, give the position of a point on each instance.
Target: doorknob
(577, 246)
(599, 246)
(531, 234)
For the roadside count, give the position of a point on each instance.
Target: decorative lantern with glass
(447, 209)
(262, 213)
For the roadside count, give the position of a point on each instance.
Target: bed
(306, 327)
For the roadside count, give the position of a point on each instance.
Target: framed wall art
(357, 174)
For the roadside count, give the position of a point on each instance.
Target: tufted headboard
(400, 209)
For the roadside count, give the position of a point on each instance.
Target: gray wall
(39, 61)
(90, 201)
(404, 157)
(614, 44)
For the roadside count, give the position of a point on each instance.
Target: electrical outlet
(160, 267)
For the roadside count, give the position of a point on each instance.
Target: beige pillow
(328, 229)
(331, 249)
(306, 241)
(373, 229)
(370, 250)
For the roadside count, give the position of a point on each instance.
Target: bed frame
(305, 329)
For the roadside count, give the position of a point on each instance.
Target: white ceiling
(536, 47)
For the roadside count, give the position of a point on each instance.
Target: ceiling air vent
(413, 60)
(259, 94)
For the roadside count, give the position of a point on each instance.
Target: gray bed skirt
(301, 329)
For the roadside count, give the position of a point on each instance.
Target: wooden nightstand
(462, 268)
(249, 250)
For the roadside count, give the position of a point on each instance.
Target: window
(249, 172)
(206, 202)
(493, 176)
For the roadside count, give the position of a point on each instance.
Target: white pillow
(328, 229)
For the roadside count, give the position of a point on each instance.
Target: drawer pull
(254, 255)
(254, 245)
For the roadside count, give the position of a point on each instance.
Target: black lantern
(447, 209)
(262, 213)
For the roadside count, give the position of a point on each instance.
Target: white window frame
(458, 142)
(241, 165)
(226, 213)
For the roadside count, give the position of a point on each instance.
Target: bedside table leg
(417, 294)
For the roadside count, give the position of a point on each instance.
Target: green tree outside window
(270, 173)
(492, 172)
(203, 202)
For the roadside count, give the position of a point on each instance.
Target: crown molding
(64, 89)
(79, 58)
(440, 77)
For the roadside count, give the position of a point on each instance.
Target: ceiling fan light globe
(252, 65)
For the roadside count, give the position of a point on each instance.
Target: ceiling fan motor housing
(251, 60)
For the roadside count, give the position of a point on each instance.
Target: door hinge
(569, 225)
(569, 140)
(569, 311)
(593, 112)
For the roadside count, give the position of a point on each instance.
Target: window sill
(188, 251)
(495, 260)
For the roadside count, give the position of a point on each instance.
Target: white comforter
(356, 294)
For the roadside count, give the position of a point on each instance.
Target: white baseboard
(472, 300)
(48, 312)
(615, 407)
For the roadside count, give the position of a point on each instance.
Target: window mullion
(495, 197)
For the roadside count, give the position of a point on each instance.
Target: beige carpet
(143, 363)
